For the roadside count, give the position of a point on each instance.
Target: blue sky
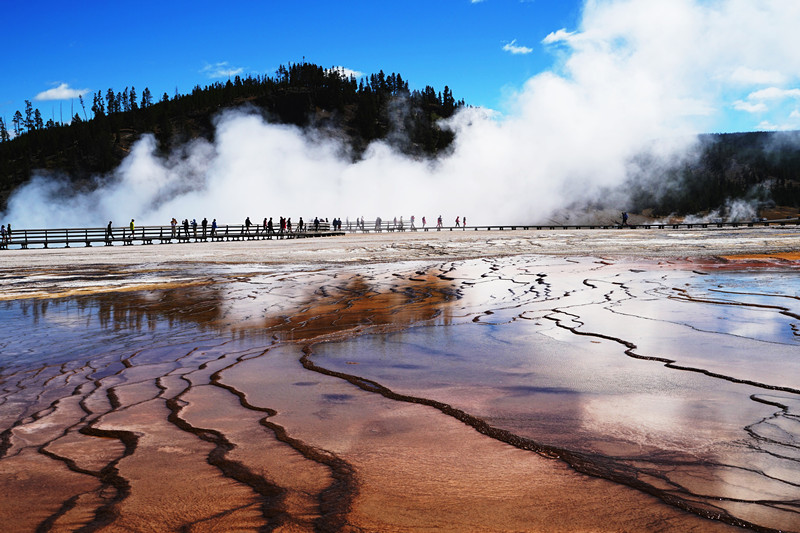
(575, 90)
(169, 45)
(483, 50)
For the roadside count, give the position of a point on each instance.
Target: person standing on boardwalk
(413, 228)
(464, 222)
(194, 229)
(439, 222)
(247, 224)
(423, 222)
(624, 218)
(109, 235)
(186, 228)
(458, 222)
(174, 224)
(270, 227)
(213, 228)
(131, 227)
(3, 235)
(204, 225)
(8, 233)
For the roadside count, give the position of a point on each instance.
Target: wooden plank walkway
(389, 227)
(69, 237)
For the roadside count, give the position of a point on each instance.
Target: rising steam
(634, 72)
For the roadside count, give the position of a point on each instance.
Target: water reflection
(643, 374)
(696, 430)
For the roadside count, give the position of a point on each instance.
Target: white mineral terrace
(430, 245)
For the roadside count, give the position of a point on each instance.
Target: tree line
(100, 134)
(764, 166)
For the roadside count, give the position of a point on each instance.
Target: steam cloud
(634, 75)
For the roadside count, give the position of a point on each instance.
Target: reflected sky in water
(682, 382)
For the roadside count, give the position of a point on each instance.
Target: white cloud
(221, 70)
(774, 93)
(347, 72)
(558, 36)
(750, 107)
(766, 125)
(750, 76)
(513, 48)
(62, 92)
(756, 101)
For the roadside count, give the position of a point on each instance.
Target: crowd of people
(187, 229)
(191, 229)
(396, 224)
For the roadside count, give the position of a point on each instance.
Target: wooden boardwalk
(86, 237)
(371, 228)
(69, 237)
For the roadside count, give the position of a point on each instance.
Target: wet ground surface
(499, 394)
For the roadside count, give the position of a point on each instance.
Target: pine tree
(147, 98)
(110, 101)
(3, 130)
(448, 103)
(98, 108)
(29, 124)
(17, 122)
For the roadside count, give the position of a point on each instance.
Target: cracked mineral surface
(632, 380)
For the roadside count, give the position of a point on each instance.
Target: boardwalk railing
(374, 227)
(69, 237)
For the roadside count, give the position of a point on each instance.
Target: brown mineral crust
(341, 457)
(459, 481)
(171, 484)
(351, 305)
(294, 480)
(34, 489)
(768, 258)
(418, 469)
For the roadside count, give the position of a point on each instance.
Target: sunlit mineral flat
(451, 381)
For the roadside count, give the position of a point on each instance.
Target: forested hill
(107, 124)
(759, 166)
